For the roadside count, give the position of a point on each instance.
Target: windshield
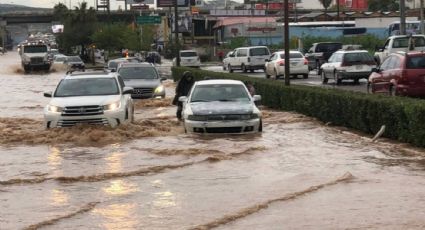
(87, 87)
(358, 57)
(74, 59)
(259, 52)
(59, 59)
(219, 92)
(138, 73)
(35, 49)
(113, 65)
(188, 54)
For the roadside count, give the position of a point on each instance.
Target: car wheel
(267, 75)
(324, 78)
(337, 79)
(132, 115)
(224, 68)
(243, 67)
(229, 68)
(305, 76)
(368, 87)
(356, 81)
(251, 70)
(260, 127)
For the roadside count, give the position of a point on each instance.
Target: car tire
(275, 74)
(356, 81)
(336, 79)
(267, 76)
(229, 68)
(324, 78)
(224, 68)
(251, 70)
(368, 87)
(244, 69)
(260, 127)
(305, 76)
(131, 118)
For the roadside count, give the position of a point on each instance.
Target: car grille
(224, 130)
(142, 91)
(69, 123)
(36, 60)
(229, 117)
(82, 110)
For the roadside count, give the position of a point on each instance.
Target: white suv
(248, 58)
(89, 98)
(189, 58)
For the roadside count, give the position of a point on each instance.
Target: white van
(189, 58)
(248, 58)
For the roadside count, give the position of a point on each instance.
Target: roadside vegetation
(402, 116)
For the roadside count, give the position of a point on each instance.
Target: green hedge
(403, 117)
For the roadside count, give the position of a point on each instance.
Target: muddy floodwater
(298, 174)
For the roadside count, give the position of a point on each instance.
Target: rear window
(415, 62)
(188, 54)
(292, 55)
(404, 42)
(332, 47)
(261, 51)
(358, 57)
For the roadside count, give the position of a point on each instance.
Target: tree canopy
(326, 3)
(383, 5)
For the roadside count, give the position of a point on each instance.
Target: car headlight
(249, 116)
(197, 118)
(112, 106)
(159, 89)
(54, 109)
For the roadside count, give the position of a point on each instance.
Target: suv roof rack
(93, 69)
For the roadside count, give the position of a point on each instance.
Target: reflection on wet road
(298, 174)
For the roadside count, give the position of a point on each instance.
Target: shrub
(402, 116)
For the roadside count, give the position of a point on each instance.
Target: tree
(112, 37)
(383, 5)
(60, 12)
(326, 4)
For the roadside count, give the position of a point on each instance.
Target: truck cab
(399, 43)
(34, 56)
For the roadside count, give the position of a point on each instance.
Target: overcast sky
(114, 3)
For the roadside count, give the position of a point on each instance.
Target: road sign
(148, 20)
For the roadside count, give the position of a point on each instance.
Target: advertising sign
(170, 3)
(57, 29)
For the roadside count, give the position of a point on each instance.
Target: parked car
(226, 60)
(189, 58)
(348, 64)
(275, 66)
(89, 98)
(400, 74)
(221, 106)
(143, 78)
(320, 52)
(248, 58)
(74, 63)
(59, 59)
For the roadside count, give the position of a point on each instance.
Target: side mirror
(47, 94)
(257, 98)
(127, 90)
(163, 79)
(182, 98)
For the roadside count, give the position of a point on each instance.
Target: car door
(232, 60)
(336, 62)
(380, 79)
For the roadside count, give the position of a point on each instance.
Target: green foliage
(383, 5)
(148, 35)
(402, 116)
(114, 37)
(236, 42)
(60, 12)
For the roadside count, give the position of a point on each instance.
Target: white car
(248, 58)
(189, 58)
(348, 64)
(226, 60)
(221, 106)
(275, 66)
(89, 98)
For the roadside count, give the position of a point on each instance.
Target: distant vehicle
(59, 59)
(52, 53)
(189, 58)
(399, 43)
(412, 27)
(143, 78)
(74, 63)
(275, 66)
(400, 74)
(319, 53)
(348, 64)
(248, 58)
(226, 60)
(113, 64)
(34, 56)
(153, 57)
(89, 98)
(221, 106)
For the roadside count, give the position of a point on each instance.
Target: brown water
(298, 174)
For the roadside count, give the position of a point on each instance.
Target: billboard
(57, 29)
(170, 3)
(184, 22)
(131, 2)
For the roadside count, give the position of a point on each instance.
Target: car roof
(187, 51)
(291, 51)
(250, 47)
(219, 81)
(351, 51)
(94, 74)
(136, 64)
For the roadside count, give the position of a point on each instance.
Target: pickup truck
(399, 43)
(319, 53)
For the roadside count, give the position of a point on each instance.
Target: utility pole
(176, 31)
(337, 10)
(422, 16)
(286, 41)
(402, 17)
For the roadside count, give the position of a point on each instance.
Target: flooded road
(298, 174)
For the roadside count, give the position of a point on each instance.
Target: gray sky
(114, 4)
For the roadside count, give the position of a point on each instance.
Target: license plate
(359, 67)
(294, 63)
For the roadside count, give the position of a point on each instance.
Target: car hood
(30, 55)
(75, 63)
(142, 83)
(218, 107)
(84, 100)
